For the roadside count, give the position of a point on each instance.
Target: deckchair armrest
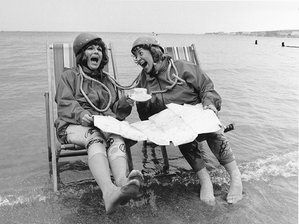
(71, 147)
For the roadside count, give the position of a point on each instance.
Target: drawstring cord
(133, 85)
(83, 75)
(114, 82)
(177, 79)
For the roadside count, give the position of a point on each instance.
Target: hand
(87, 120)
(130, 101)
(127, 100)
(211, 107)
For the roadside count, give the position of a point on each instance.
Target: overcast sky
(147, 16)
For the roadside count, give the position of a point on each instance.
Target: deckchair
(187, 53)
(60, 57)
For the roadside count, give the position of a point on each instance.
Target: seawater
(259, 87)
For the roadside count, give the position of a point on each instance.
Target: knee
(116, 147)
(96, 149)
(95, 143)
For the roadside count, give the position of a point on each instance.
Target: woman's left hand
(211, 107)
(130, 101)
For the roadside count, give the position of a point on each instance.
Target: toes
(136, 174)
(232, 199)
(210, 202)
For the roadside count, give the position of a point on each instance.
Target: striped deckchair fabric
(63, 57)
(187, 53)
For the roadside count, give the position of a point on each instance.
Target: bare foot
(207, 194)
(206, 189)
(121, 195)
(235, 191)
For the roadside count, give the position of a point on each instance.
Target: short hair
(157, 53)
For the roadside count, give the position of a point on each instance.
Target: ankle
(203, 176)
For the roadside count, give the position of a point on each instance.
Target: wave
(260, 170)
(11, 200)
(277, 165)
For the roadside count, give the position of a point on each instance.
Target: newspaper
(178, 124)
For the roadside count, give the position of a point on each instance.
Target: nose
(138, 58)
(96, 50)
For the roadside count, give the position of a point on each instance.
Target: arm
(68, 108)
(122, 107)
(204, 86)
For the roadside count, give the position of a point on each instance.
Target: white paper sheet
(177, 124)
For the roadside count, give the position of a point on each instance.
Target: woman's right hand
(87, 120)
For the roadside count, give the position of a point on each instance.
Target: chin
(93, 68)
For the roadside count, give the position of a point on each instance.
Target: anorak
(198, 88)
(72, 106)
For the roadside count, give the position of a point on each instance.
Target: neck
(157, 68)
(89, 72)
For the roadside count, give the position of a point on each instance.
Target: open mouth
(94, 59)
(142, 63)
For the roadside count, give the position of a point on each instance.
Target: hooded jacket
(198, 88)
(72, 106)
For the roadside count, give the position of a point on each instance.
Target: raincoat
(198, 88)
(72, 105)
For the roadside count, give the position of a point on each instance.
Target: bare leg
(235, 190)
(206, 190)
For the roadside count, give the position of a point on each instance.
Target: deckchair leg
(54, 169)
(46, 95)
(165, 159)
(129, 158)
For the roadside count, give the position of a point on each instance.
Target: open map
(178, 124)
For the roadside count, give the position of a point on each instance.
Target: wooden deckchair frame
(59, 57)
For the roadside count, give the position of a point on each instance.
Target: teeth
(94, 59)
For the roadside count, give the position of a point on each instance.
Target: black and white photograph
(149, 112)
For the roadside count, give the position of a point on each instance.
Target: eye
(89, 48)
(140, 52)
(99, 49)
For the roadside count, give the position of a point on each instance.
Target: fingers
(130, 101)
(211, 107)
(87, 120)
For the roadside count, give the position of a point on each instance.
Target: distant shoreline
(274, 33)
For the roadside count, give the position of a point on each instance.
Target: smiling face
(144, 59)
(94, 55)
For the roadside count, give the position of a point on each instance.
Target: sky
(163, 16)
